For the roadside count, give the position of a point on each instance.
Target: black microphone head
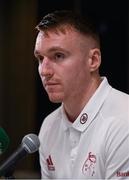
(31, 143)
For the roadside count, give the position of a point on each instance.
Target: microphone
(30, 144)
(4, 140)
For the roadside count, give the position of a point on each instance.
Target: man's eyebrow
(57, 48)
(51, 50)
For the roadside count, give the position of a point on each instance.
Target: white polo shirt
(95, 146)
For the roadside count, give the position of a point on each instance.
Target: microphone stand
(9, 177)
(9, 174)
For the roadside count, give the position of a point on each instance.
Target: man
(87, 137)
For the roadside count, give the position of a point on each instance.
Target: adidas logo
(50, 164)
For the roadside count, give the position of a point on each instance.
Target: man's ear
(94, 59)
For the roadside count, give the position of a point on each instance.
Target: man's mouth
(50, 84)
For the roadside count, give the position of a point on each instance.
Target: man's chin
(55, 99)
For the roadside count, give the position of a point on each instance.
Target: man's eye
(40, 59)
(59, 56)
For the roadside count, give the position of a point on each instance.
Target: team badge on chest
(89, 165)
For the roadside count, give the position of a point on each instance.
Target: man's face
(63, 64)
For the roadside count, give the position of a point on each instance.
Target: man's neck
(75, 105)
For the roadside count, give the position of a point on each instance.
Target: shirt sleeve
(117, 151)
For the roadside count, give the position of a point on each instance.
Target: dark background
(23, 102)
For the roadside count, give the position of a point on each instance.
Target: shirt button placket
(74, 139)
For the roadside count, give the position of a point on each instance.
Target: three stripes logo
(50, 164)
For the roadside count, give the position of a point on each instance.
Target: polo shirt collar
(90, 110)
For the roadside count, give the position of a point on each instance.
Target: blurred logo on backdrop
(4, 140)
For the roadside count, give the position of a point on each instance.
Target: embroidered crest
(50, 164)
(83, 118)
(89, 165)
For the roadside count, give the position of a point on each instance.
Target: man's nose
(45, 68)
